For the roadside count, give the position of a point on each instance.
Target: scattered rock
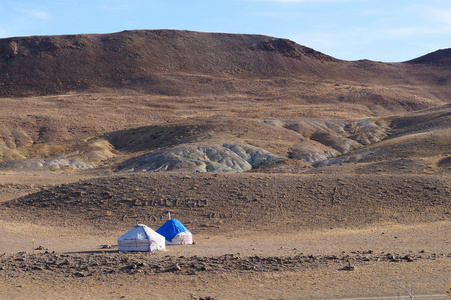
(348, 267)
(176, 267)
(79, 274)
(407, 258)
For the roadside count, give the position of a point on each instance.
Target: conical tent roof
(171, 228)
(141, 238)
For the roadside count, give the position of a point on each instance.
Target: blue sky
(380, 30)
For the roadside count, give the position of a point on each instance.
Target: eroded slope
(240, 201)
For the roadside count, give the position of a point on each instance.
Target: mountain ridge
(439, 57)
(161, 61)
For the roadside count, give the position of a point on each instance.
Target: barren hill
(260, 146)
(251, 201)
(185, 63)
(155, 61)
(439, 57)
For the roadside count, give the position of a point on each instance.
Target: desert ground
(292, 253)
(299, 175)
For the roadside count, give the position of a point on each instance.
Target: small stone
(348, 267)
(409, 258)
(79, 274)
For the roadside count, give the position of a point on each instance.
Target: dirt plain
(359, 206)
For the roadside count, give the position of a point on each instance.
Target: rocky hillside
(236, 201)
(179, 63)
(440, 57)
(166, 100)
(417, 142)
(145, 60)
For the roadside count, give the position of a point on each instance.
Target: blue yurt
(175, 233)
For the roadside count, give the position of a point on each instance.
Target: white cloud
(441, 16)
(38, 14)
(433, 22)
(414, 31)
(25, 21)
(304, 1)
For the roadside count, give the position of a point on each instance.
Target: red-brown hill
(144, 59)
(439, 57)
(184, 63)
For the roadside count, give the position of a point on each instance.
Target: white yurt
(141, 238)
(175, 233)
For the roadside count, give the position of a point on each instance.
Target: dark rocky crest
(439, 57)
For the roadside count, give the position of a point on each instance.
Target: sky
(379, 30)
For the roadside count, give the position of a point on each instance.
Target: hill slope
(55, 64)
(182, 63)
(234, 201)
(439, 57)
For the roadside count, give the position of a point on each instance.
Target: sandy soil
(266, 264)
(319, 255)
